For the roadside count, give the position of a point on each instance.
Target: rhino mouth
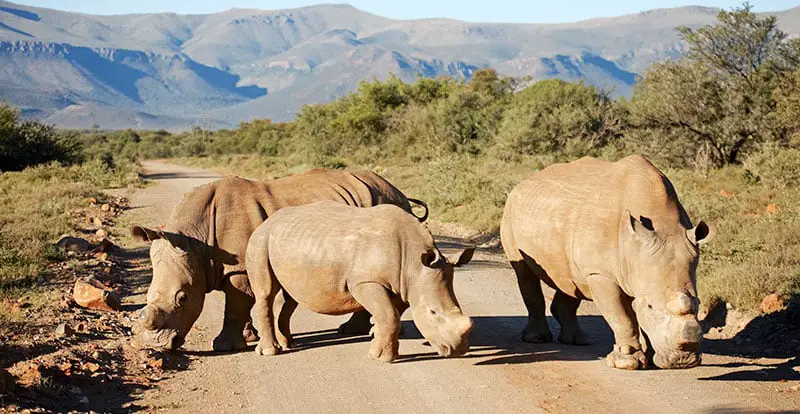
(157, 339)
(449, 351)
(677, 360)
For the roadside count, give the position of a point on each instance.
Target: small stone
(73, 244)
(101, 233)
(105, 207)
(772, 303)
(97, 221)
(95, 296)
(771, 208)
(105, 246)
(92, 200)
(726, 194)
(63, 330)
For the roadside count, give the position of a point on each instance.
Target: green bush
(26, 143)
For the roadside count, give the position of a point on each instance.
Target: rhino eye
(181, 297)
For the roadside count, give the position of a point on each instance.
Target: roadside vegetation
(722, 122)
(37, 204)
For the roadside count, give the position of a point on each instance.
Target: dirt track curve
(330, 373)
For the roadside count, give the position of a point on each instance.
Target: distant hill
(178, 71)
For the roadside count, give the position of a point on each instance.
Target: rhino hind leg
(530, 286)
(358, 324)
(284, 332)
(565, 310)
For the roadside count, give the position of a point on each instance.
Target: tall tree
(717, 102)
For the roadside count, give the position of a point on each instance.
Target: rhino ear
(701, 234)
(460, 259)
(144, 234)
(430, 258)
(642, 229)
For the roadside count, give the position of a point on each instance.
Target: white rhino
(203, 249)
(614, 233)
(336, 259)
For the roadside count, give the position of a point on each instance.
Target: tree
(717, 102)
(27, 143)
(554, 115)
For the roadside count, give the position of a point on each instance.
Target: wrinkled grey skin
(174, 304)
(203, 247)
(335, 259)
(614, 233)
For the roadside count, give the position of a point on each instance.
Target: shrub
(26, 143)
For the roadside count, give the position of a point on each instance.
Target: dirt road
(330, 373)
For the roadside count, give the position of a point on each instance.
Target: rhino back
(319, 251)
(567, 218)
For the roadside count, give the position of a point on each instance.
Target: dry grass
(35, 210)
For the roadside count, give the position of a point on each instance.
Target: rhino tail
(423, 205)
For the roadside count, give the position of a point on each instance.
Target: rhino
(202, 249)
(335, 259)
(614, 233)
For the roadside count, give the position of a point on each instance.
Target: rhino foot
(536, 337)
(383, 353)
(267, 349)
(286, 343)
(573, 336)
(228, 343)
(250, 335)
(625, 357)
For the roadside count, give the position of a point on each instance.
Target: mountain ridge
(174, 71)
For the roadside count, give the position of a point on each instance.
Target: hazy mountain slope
(173, 71)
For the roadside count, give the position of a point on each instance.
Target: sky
(511, 11)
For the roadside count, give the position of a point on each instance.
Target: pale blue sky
(530, 11)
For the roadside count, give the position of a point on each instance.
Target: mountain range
(173, 71)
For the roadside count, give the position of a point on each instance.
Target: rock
(726, 194)
(97, 221)
(73, 244)
(92, 200)
(101, 233)
(104, 246)
(64, 330)
(772, 303)
(6, 382)
(95, 296)
(105, 207)
(771, 208)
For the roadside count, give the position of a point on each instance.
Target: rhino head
(434, 306)
(182, 268)
(661, 271)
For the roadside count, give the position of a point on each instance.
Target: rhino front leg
(616, 308)
(565, 310)
(530, 286)
(358, 324)
(375, 299)
(237, 313)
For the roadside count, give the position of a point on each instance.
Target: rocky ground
(75, 355)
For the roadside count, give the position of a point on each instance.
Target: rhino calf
(336, 259)
(614, 233)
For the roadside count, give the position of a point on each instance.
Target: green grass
(35, 210)
(754, 253)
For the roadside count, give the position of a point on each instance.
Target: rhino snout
(691, 335)
(151, 318)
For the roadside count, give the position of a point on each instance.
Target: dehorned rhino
(614, 233)
(335, 259)
(203, 247)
